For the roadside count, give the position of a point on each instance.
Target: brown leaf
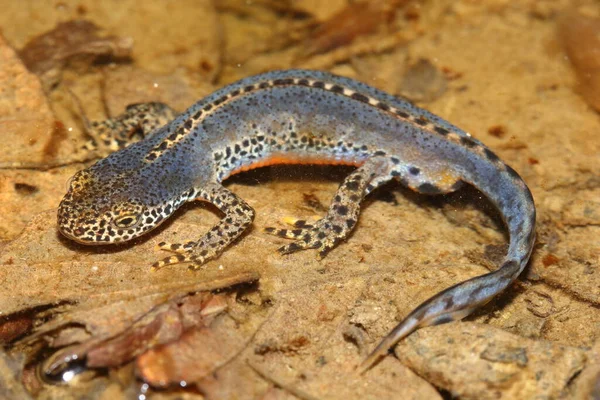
(46, 55)
(163, 325)
(197, 354)
(342, 28)
(12, 328)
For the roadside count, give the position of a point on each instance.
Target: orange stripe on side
(282, 159)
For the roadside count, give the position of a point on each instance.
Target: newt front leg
(238, 217)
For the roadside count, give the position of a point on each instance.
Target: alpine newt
(292, 117)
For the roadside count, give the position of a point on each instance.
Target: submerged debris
(79, 40)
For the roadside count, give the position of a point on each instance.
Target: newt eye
(127, 221)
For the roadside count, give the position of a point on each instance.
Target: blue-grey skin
(299, 116)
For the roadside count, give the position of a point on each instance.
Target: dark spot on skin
(303, 82)
(379, 153)
(263, 85)
(519, 229)
(414, 171)
(235, 93)
(428, 188)
(473, 296)
(441, 130)
(360, 97)
(248, 88)
(293, 247)
(337, 89)
(342, 210)
(383, 106)
(287, 81)
(490, 155)
(449, 303)
(350, 222)
(337, 228)
(188, 124)
(318, 84)
(208, 107)
(402, 114)
(467, 141)
(443, 319)
(352, 185)
(421, 121)
(511, 264)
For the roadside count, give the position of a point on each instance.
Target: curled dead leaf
(46, 55)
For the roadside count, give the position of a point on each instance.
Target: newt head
(105, 210)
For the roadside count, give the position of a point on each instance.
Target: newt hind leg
(135, 123)
(344, 210)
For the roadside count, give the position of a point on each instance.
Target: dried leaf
(341, 29)
(197, 354)
(47, 54)
(164, 324)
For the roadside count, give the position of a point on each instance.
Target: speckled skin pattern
(296, 117)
